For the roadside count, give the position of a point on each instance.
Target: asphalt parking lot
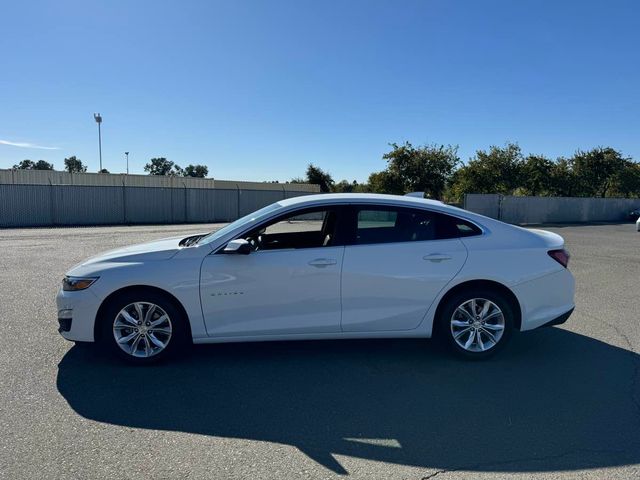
(560, 402)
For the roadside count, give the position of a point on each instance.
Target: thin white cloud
(26, 145)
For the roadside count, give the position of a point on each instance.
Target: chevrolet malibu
(323, 267)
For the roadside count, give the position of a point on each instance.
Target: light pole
(98, 119)
(126, 154)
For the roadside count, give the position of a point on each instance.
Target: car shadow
(552, 400)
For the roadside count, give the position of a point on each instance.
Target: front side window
(243, 221)
(304, 229)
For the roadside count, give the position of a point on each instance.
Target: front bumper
(77, 314)
(65, 318)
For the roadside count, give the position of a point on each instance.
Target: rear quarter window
(462, 228)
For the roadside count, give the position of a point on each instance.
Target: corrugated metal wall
(42, 198)
(86, 205)
(537, 210)
(31, 206)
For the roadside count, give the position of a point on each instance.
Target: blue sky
(257, 90)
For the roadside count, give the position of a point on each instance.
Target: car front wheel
(142, 327)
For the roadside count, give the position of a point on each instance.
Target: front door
(289, 284)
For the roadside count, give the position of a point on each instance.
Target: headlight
(71, 284)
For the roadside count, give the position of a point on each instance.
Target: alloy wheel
(142, 329)
(477, 325)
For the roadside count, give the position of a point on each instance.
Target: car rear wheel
(476, 323)
(142, 327)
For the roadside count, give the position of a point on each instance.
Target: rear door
(397, 261)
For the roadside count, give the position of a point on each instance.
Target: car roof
(359, 197)
(385, 199)
(373, 198)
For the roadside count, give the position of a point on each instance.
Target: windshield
(246, 220)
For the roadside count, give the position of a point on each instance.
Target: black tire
(179, 335)
(446, 316)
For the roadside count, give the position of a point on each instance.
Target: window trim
(345, 221)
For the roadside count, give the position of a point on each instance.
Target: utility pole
(126, 154)
(98, 120)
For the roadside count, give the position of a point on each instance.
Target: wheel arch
(139, 289)
(488, 284)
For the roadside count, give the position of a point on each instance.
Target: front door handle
(436, 257)
(322, 262)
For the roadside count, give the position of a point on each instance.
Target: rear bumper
(546, 299)
(559, 320)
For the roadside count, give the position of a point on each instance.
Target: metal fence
(532, 210)
(41, 198)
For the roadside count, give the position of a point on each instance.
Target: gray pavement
(560, 402)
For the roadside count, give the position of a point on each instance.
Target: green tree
(31, 165)
(199, 171)
(25, 165)
(434, 169)
(627, 182)
(42, 165)
(536, 175)
(421, 169)
(596, 170)
(497, 171)
(562, 181)
(386, 182)
(318, 176)
(104, 170)
(345, 186)
(74, 165)
(162, 166)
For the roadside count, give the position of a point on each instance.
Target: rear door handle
(436, 257)
(322, 262)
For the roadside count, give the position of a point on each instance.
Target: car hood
(162, 249)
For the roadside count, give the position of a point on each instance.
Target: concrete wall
(44, 198)
(524, 210)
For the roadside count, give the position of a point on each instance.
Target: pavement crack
(436, 473)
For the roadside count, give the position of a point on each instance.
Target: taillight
(561, 256)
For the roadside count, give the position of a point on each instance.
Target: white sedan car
(323, 267)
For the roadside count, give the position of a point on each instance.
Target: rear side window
(377, 219)
(391, 225)
(380, 225)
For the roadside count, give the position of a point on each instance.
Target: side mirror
(239, 245)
